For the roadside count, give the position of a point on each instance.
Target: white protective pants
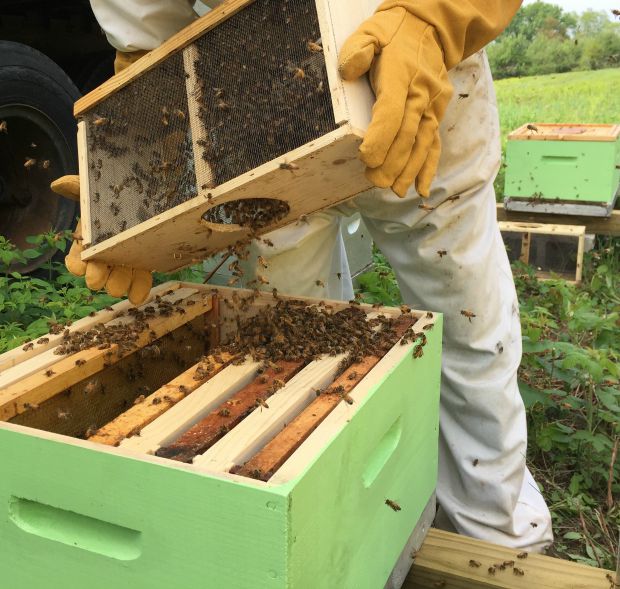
(485, 489)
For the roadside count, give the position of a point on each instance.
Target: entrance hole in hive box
(91, 403)
(255, 213)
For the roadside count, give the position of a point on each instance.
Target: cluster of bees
(254, 213)
(292, 330)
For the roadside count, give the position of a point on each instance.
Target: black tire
(36, 118)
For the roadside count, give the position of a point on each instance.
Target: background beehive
(244, 104)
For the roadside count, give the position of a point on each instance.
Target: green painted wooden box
(564, 165)
(77, 513)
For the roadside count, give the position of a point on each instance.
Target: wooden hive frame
(222, 413)
(312, 177)
(528, 229)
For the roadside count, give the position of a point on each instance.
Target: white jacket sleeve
(133, 25)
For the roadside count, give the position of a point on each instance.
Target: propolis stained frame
(326, 170)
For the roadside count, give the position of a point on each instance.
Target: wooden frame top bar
(177, 42)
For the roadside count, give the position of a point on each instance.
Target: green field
(575, 97)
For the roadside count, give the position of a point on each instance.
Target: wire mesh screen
(262, 87)
(140, 156)
(248, 91)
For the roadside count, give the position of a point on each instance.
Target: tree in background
(543, 39)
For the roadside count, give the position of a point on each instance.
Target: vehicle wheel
(37, 145)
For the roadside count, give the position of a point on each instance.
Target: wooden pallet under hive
(162, 461)
(239, 120)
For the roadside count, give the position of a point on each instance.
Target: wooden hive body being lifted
(246, 103)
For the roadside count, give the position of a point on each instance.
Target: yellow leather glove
(124, 60)
(117, 280)
(407, 46)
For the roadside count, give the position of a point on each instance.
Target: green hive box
(564, 169)
(79, 514)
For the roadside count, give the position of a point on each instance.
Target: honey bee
(509, 563)
(80, 362)
(49, 373)
(45, 164)
(319, 283)
(453, 198)
(43, 340)
(532, 128)
(461, 96)
(28, 346)
(517, 571)
(429, 315)
(615, 12)
(274, 293)
(474, 564)
(299, 74)
(180, 114)
(3, 127)
(522, 555)
(418, 351)
(29, 406)
(475, 462)
(442, 253)
(491, 570)
(101, 121)
(426, 207)
(91, 431)
(29, 163)
(260, 401)
(139, 400)
(393, 505)
(260, 278)
(288, 166)
(302, 219)
(63, 414)
(315, 47)
(268, 242)
(222, 104)
(469, 314)
(404, 309)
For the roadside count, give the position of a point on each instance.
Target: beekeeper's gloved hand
(117, 280)
(407, 47)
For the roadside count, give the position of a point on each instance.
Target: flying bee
(3, 127)
(469, 314)
(393, 505)
(299, 74)
(442, 253)
(29, 163)
(288, 166)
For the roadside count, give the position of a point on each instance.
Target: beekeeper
(433, 151)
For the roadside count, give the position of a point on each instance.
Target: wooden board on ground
(450, 561)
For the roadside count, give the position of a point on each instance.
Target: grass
(575, 97)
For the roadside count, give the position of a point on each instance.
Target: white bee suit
(449, 259)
